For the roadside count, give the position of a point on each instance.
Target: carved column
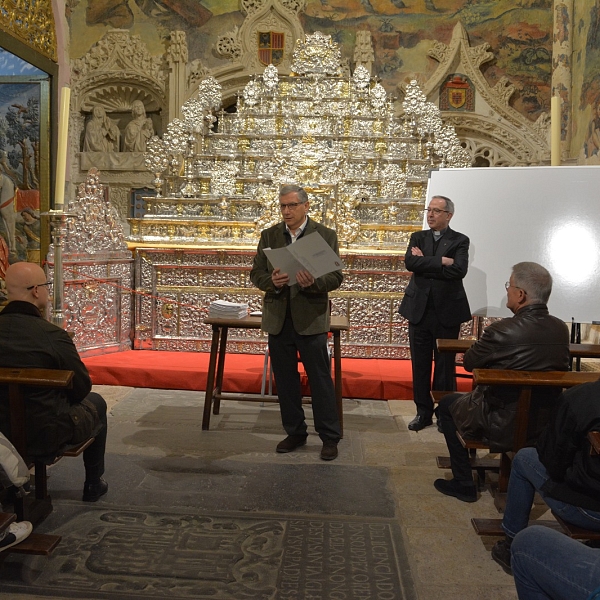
(562, 49)
(177, 58)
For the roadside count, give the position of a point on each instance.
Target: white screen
(549, 215)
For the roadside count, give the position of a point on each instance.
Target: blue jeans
(527, 476)
(548, 565)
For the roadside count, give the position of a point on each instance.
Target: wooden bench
(526, 380)
(37, 508)
(493, 527)
(35, 543)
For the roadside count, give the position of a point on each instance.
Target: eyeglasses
(290, 205)
(508, 285)
(47, 283)
(435, 211)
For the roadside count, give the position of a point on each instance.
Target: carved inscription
(329, 560)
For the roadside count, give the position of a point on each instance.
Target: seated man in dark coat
(531, 340)
(561, 468)
(55, 418)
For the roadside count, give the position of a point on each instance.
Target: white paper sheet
(311, 253)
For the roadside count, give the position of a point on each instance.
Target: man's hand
(447, 261)
(416, 251)
(279, 279)
(304, 279)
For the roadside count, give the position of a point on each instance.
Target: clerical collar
(299, 231)
(438, 234)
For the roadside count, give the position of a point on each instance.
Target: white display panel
(549, 215)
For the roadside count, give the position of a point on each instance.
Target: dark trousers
(93, 456)
(459, 456)
(283, 350)
(423, 351)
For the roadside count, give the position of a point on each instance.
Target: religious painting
(24, 160)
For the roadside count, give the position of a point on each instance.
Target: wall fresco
(519, 33)
(585, 143)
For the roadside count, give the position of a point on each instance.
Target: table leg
(210, 379)
(337, 366)
(220, 369)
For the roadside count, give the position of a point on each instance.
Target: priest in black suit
(435, 303)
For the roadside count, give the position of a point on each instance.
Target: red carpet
(362, 378)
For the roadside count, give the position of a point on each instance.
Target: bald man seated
(55, 418)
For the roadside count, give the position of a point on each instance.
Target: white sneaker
(15, 534)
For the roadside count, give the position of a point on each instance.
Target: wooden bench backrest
(17, 380)
(528, 380)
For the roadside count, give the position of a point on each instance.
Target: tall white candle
(61, 157)
(555, 131)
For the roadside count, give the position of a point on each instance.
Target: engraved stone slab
(111, 554)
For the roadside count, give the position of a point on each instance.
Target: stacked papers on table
(222, 309)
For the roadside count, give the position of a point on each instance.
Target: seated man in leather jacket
(55, 418)
(531, 340)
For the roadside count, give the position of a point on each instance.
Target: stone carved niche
(495, 134)
(114, 79)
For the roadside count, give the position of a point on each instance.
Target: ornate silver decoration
(251, 93)
(270, 78)
(156, 161)
(378, 96)
(209, 93)
(365, 169)
(317, 53)
(97, 270)
(361, 78)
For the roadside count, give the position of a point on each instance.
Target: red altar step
(368, 378)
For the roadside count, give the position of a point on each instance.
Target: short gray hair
(533, 279)
(449, 204)
(291, 188)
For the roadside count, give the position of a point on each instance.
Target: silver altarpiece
(217, 175)
(97, 271)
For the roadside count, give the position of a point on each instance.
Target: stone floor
(165, 473)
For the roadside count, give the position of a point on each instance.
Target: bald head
(23, 275)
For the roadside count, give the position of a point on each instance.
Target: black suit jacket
(430, 279)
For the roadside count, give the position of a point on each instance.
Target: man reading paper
(296, 317)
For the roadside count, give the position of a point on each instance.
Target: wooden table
(218, 350)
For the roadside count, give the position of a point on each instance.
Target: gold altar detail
(217, 175)
(32, 23)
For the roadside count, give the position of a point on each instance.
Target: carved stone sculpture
(101, 133)
(139, 130)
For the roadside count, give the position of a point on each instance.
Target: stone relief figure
(101, 133)
(139, 130)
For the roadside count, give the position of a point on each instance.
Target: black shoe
(329, 450)
(94, 491)
(501, 554)
(466, 493)
(420, 422)
(291, 442)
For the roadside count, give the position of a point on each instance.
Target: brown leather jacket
(531, 340)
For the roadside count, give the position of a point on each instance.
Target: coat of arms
(457, 93)
(270, 47)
